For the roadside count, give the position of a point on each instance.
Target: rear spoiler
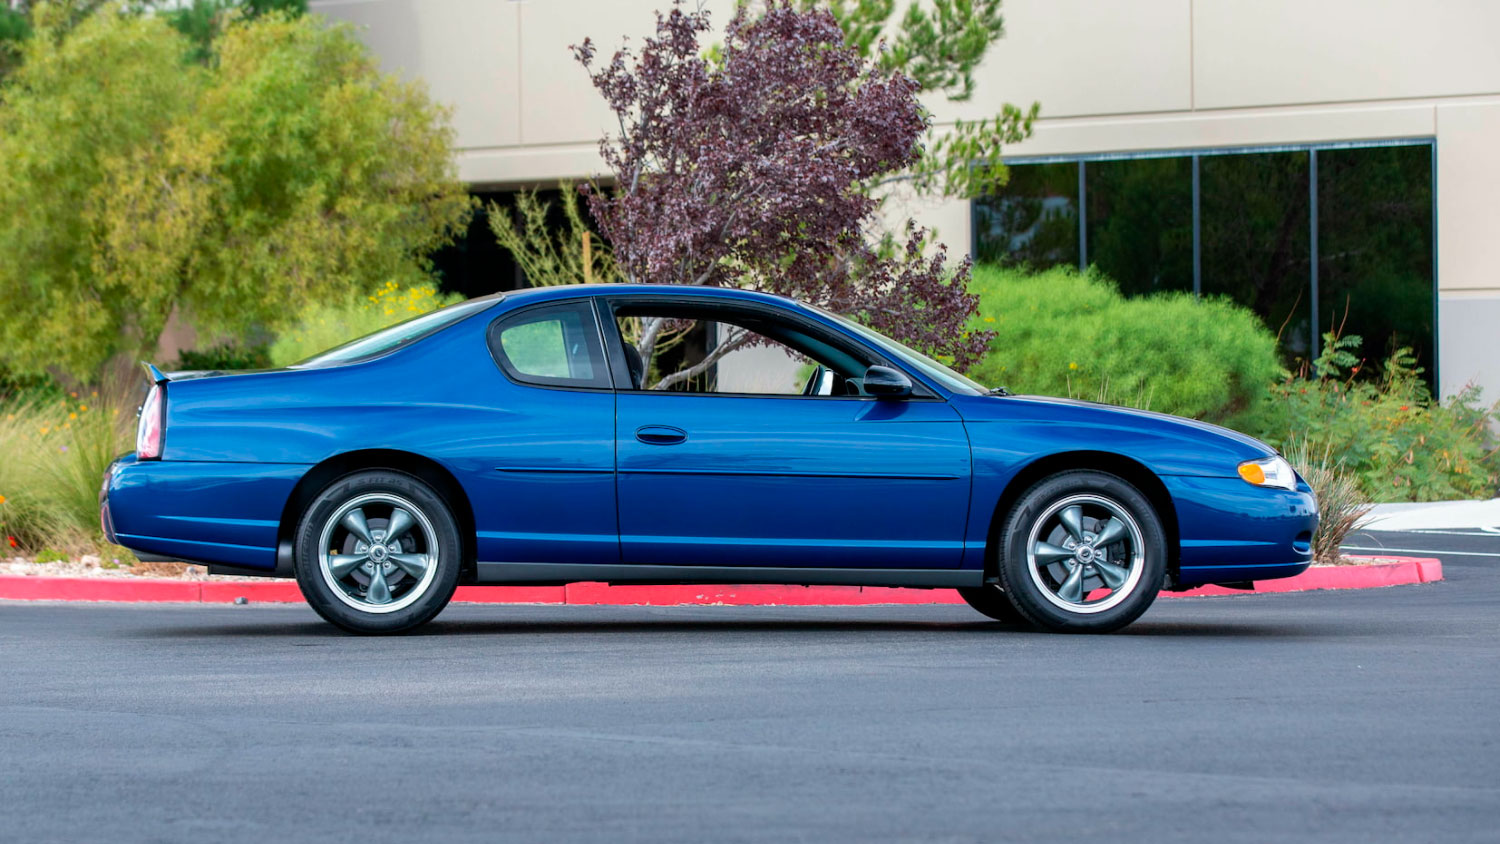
(155, 375)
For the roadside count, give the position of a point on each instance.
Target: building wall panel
(1278, 52)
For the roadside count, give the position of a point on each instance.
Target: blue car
(667, 434)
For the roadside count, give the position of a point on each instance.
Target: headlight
(1269, 471)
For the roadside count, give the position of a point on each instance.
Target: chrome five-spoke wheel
(376, 553)
(1082, 551)
(1085, 553)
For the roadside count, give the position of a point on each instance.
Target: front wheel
(1082, 552)
(378, 552)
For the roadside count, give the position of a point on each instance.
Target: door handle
(660, 435)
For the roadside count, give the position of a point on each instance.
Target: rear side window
(551, 346)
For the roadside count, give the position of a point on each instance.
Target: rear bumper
(222, 514)
(1231, 531)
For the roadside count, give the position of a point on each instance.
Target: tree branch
(735, 342)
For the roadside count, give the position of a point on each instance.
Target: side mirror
(886, 383)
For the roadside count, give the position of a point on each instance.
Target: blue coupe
(524, 438)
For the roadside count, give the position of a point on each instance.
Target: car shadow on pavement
(1185, 629)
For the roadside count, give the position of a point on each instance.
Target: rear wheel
(378, 552)
(1082, 552)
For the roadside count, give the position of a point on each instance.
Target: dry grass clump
(1341, 501)
(53, 453)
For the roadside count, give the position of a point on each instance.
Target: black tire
(430, 541)
(1047, 594)
(989, 600)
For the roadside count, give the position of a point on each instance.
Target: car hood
(1163, 419)
(1024, 428)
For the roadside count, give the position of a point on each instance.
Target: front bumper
(1232, 532)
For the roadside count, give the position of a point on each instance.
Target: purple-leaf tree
(745, 167)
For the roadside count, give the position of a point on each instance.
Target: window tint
(552, 345)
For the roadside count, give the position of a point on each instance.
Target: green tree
(139, 183)
(203, 21)
(15, 28)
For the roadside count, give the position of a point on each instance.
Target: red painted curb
(1403, 570)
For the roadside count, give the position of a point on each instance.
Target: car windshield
(396, 336)
(922, 363)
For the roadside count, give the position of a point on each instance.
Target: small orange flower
(1404, 407)
(2, 499)
(13, 542)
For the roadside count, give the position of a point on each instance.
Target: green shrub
(52, 457)
(1063, 332)
(1389, 432)
(228, 355)
(323, 326)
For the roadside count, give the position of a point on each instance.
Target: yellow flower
(72, 416)
(83, 407)
(989, 319)
(1072, 366)
(45, 429)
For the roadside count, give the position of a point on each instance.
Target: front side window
(709, 349)
(551, 346)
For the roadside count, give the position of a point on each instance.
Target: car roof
(569, 291)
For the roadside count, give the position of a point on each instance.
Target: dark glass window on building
(1140, 222)
(1255, 240)
(1374, 244)
(1034, 221)
(1375, 273)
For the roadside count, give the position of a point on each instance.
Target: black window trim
(604, 381)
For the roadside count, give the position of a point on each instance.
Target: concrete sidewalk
(1435, 515)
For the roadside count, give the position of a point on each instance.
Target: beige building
(1378, 122)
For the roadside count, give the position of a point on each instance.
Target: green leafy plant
(1065, 332)
(1388, 431)
(547, 254)
(322, 326)
(228, 355)
(138, 183)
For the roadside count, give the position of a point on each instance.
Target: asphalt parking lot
(1351, 716)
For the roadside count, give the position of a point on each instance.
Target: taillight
(148, 435)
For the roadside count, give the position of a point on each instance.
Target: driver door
(738, 467)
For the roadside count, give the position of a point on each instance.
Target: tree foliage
(939, 43)
(549, 255)
(747, 169)
(138, 183)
